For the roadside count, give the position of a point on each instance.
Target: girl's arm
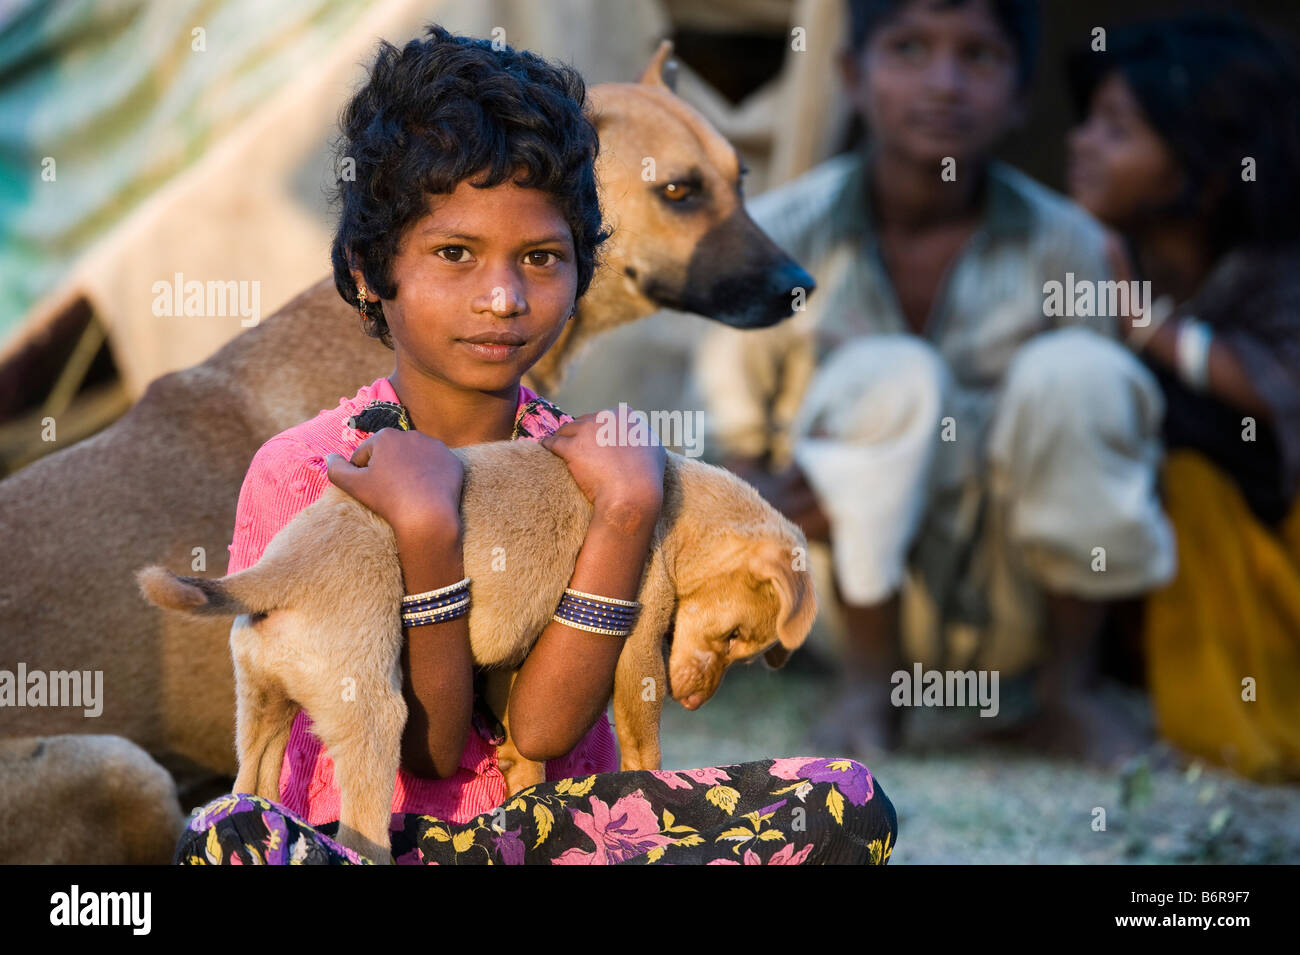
(282, 480)
(437, 665)
(413, 481)
(1227, 377)
(567, 679)
(568, 676)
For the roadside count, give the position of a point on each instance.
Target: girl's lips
(491, 352)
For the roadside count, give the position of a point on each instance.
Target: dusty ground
(994, 805)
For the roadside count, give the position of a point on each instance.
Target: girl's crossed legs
(800, 810)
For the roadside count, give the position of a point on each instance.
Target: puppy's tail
(206, 596)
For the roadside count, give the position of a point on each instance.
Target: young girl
(468, 233)
(1190, 148)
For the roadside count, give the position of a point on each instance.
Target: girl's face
(1119, 166)
(485, 284)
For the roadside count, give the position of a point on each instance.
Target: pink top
(289, 473)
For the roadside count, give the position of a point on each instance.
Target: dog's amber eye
(677, 191)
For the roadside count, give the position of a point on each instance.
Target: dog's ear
(662, 70)
(796, 601)
(775, 656)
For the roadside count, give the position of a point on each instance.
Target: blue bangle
(596, 614)
(441, 615)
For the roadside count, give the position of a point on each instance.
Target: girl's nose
(504, 298)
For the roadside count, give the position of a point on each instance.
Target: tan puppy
(323, 603)
(160, 485)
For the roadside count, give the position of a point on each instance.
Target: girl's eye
(452, 248)
(553, 255)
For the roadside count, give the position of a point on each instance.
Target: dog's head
(672, 186)
(750, 597)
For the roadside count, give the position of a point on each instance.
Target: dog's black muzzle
(740, 277)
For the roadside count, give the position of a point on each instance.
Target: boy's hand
(412, 480)
(616, 478)
(791, 494)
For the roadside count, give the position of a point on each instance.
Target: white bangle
(1193, 353)
(410, 599)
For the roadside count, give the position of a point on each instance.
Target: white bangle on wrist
(1193, 353)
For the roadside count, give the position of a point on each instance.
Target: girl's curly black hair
(435, 113)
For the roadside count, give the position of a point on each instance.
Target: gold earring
(361, 301)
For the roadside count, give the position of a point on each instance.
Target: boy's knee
(883, 382)
(897, 359)
(1076, 376)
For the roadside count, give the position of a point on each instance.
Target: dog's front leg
(639, 687)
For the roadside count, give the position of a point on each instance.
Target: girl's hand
(626, 479)
(411, 480)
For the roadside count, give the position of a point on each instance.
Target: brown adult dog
(160, 485)
(325, 599)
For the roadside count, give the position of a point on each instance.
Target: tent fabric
(114, 98)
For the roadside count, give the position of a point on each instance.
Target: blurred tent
(185, 140)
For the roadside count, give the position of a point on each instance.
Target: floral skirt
(803, 810)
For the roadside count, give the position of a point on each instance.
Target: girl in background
(1190, 150)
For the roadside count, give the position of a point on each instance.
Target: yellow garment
(1232, 612)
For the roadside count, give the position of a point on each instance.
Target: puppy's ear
(796, 601)
(775, 656)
